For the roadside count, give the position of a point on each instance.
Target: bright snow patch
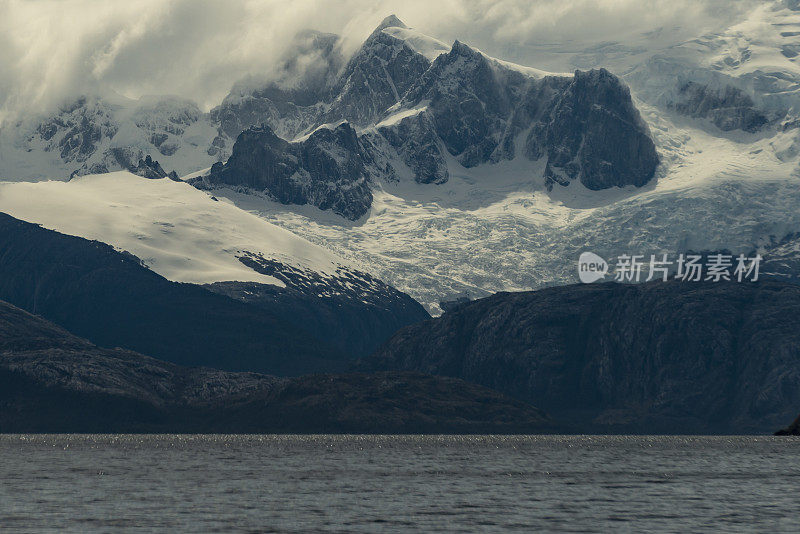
(399, 116)
(326, 126)
(427, 46)
(178, 231)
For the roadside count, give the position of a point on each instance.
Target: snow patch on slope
(427, 46)
(178, 231)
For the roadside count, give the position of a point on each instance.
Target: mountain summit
(414, 114)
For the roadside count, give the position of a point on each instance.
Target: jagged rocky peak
(328, 169)
(77, 128)
(479, 106)
(130, 159)
(390, 22)
(594, 133)
(469, 101)
(415, 139)
(377, 76)
(149, 168)
(105, 132)
(476, 108)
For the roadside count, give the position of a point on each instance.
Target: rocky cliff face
(594, 133)
(77, 130)
(654, 358)
(376, 77)
(52, 381)
(329, 169)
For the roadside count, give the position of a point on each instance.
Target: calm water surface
(398, 483)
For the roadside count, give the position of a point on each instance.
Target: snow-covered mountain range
(437, 168)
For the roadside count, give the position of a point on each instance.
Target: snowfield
(178, 231)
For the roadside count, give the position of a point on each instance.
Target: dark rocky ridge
(327, 170)
(149, 168)
(651, 358)
(52, 381)
(479, 107)
(111, 299)
(595, 134)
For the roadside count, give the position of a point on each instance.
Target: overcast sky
(51, 49)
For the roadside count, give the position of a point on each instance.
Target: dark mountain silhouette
(52, 381)
(674, 357)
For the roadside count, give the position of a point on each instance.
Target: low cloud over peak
(51, 50)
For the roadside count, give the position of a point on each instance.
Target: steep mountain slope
(652, 358)
(110, 298)
(52, 381)
(328, 169)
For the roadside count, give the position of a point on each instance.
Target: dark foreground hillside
(52, 381)
(110, 298)
(652, 358)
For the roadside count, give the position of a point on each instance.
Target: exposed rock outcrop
(377, 76)
(352, 310)
(329, 169)
(148, 168)
(595, 134)
(728, 108)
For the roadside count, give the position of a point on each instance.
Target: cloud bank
(54, 49)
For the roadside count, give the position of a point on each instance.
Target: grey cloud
(52, 49)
